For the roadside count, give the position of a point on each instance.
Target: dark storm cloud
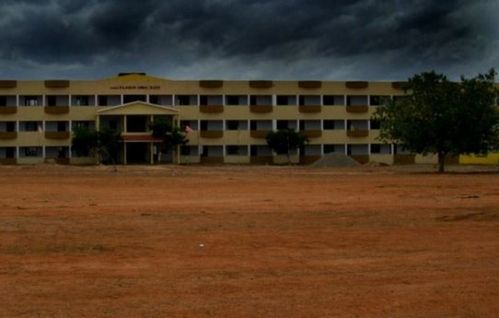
(247, 39)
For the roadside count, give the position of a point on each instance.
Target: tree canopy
(104, 144)
(443, 117)
(283, 142)
(171, 136)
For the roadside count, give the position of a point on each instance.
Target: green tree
(84, 140)
(446, 118)
(283, 142)
(108, 146)
(172, 137)
(104, 144)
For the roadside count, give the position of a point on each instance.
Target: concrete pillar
(124, 124)
(97, 123)
(124, 153)
(151, 150)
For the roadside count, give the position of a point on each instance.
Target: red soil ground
(247, 242)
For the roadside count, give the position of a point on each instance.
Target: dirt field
(247, 242)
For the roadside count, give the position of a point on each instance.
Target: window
(375, 124)
(10, 126)
(81, 101)
(282, 124)
(203, 100)
(232, 150)
(357, 100)
(192, 124)
(261, 99)
(232, 124)
(134, 98)
(236, 100)
(102, 100)
(232, 100)
(285, 100)
(329, 124)
(313, 100)
(31, 151)
(375, 148)
(186, 100)
(31, 101)
(334, 100)
(154, 99)
(398, 98)
(253, 151)
(378, 100)
(10, 152)
(51, 100)
(30, 126)
(113, 124)
(84, 123)
(384, 149)
(185, 150)
(328, 149)
(61, 126)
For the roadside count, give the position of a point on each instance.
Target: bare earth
(248, 242)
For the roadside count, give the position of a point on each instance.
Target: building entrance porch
(133, 122)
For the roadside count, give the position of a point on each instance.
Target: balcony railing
(261, 109)
(310, 84)
(312, 133)
(357, 84)
(309, 108)
(358, 133)
(58, 135)
(57, 83)
(56, 110)
(259, 134)
(8, 135)
(357, 109)
(211, 134)
(8, 84)
(211, 84)
(261, 84)
(211, 109)
(5, 110)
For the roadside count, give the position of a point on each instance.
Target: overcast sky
(247, 39)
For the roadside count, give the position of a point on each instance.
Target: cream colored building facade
(227, 120)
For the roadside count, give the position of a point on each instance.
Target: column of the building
(70, 130)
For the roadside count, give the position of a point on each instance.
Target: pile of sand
(338, 160)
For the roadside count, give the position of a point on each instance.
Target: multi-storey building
(227, 120)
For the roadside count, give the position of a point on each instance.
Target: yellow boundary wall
(490, 159)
